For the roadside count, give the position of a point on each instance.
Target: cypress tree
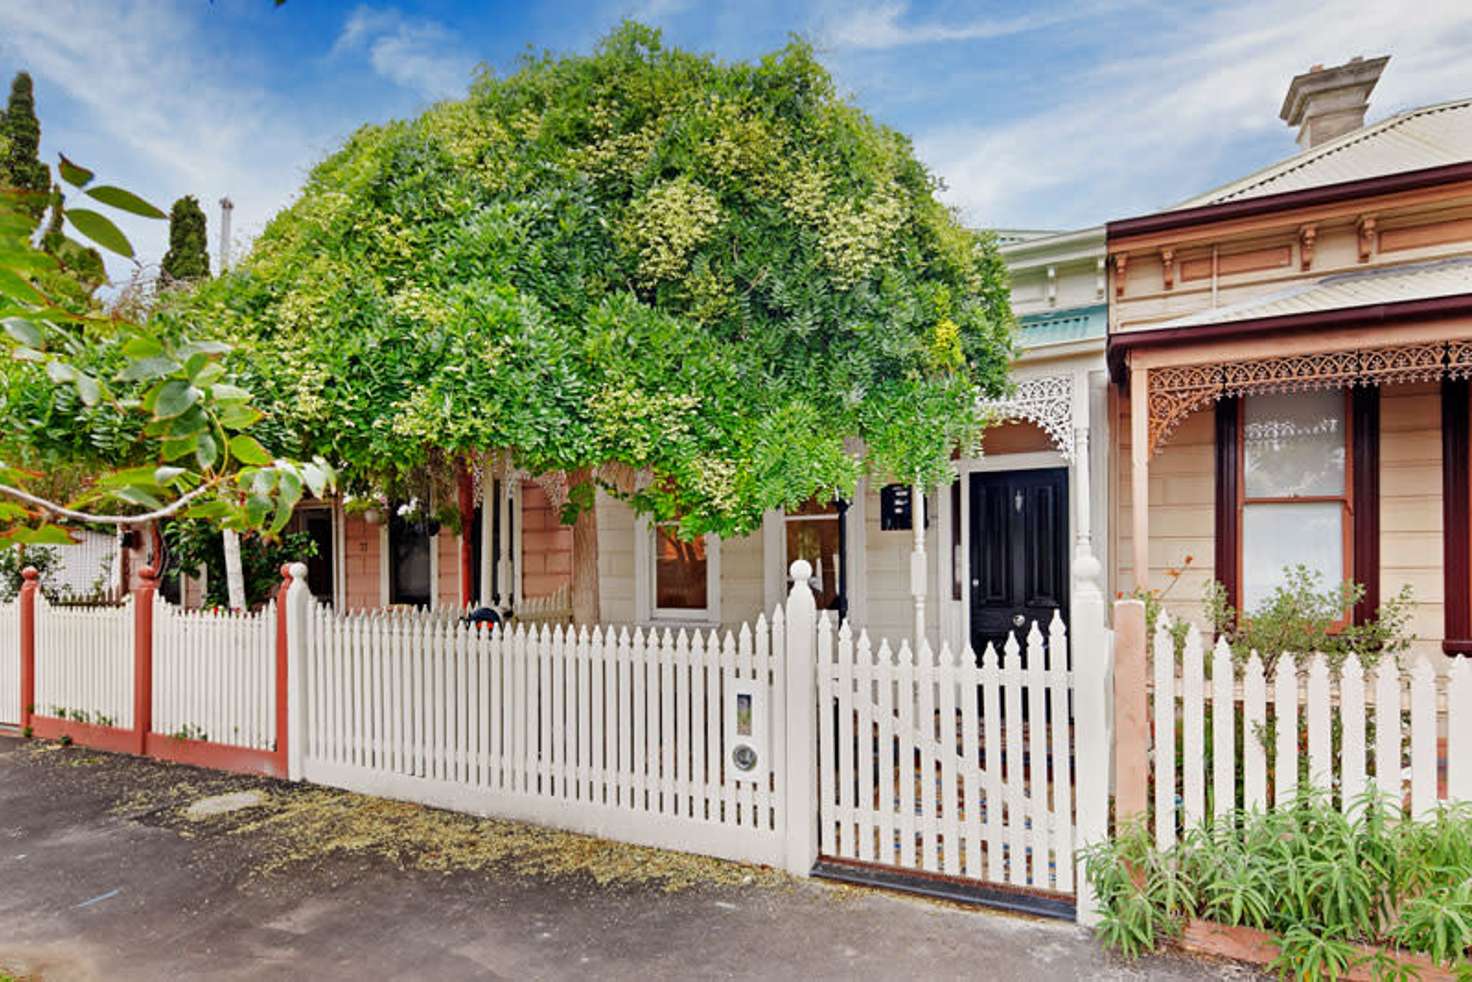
(22, 167)
(188, 257)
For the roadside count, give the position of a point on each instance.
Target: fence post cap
(800, 570)
(30, 573)
(295, 571)
(148, 574)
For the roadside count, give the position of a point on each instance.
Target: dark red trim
(113, 738)
(1456, 559)
(1370, 315)
(465, 501)
(217, 756)
(1364, 431)
(143, 656)
(1368, 187)
(1228, 480)
(283, 688)
(30, 583)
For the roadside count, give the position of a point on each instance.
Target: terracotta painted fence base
(113, 738)
(1246, 944)
(197, 753)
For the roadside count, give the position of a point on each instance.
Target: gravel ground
(106, 874)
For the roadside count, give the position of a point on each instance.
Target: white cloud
(1149, 127)
(421, 55)
(881, 27)
(149, 105)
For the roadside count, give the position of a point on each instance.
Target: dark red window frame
(1364, 475)
(1456, 490)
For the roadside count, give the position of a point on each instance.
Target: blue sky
(1036, 114)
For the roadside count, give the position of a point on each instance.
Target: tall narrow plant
(21, 168)
(188, 258)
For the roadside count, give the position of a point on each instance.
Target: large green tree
(21, 167)
(701, 284)
(188, 258)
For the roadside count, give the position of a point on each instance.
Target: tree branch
(80, 516)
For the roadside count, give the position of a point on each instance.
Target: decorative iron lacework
(1177, 391)
(1047, 400)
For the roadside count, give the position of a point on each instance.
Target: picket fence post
(30, 583)
(293, 604)
(143, 658)
(1092, 654)
(1131, 713)
(801, 850)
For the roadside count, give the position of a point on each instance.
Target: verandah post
(801, 848)
(30, 583)
(143, 657)
(293, 606)
(1092, 654)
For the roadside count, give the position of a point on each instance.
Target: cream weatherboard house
(1291, 353)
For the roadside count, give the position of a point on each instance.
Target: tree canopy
(639, 261)
(20, 166)
(188, 257)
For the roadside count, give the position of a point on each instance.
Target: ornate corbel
(1046, 401)
(1366, 227)
(1052, 285)
(1168, 268)
(1121, 261)
(1099, 278)
(1306, 236)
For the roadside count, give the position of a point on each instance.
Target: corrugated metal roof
(1431, 136)
(1056, 327)
(1362, 288)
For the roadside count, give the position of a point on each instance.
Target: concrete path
(102, 877)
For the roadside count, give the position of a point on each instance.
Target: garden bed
(1247, 944)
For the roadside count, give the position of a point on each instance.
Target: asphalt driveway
(104, 875)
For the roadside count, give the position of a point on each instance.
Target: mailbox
(746, 730)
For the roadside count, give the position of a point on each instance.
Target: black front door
(1019, 553)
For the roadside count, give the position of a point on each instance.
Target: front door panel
(1018, 551)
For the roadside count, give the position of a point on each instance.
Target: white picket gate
(214, 675)
(10, 664)
(607, 731)
(84, 662)
(1390, 722)
(949, 767)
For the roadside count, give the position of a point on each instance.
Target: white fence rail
(214, 675)
(10, 664)
(611, 732)
(84, 662)
(949, 767)
(1250, 736)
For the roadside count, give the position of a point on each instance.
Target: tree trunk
(234, 576)
(585, 609)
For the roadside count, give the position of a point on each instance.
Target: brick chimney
(1328, 102)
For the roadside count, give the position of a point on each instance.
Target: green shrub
(1319, 880)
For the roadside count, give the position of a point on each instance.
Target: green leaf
(147, 368)
(89, 389)
(163, 475)
(28, 354)
(137, 496)
(207, 452)
(205, 347)
(100, 229)
(23, 331)
(142, 346)
(248, 450)
(12, 285)
(229, 393)
(74, 174)
(181, 447)
(130, 477)
(208, 510)
(257, 507)
(45, 535)
(173, 398)
(237, 416)
(124, 200)
(60, 372)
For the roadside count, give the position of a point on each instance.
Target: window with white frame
(1295, 496)
(680, 579)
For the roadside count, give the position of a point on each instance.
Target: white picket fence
(949, 767)
(214, 675)
(10, 664)
(549, 609)
(84, 662)
(1390, 721)
(607, 731)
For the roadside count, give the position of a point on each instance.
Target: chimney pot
(1326, 103)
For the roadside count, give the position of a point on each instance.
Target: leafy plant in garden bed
(1321, 882)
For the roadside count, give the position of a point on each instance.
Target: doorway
(1018, 546)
